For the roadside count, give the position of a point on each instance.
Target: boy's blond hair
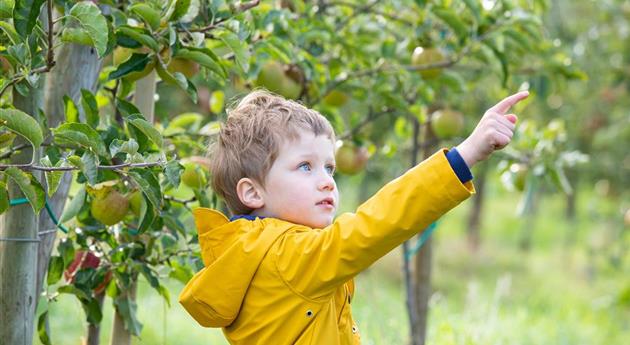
(250, 139)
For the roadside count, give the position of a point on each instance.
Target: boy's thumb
(513, 118)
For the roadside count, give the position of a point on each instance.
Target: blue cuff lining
(459, 165)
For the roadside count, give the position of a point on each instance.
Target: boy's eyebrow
(312, 155)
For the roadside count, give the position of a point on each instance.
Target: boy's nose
(327, 183)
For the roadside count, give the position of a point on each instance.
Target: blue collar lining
(244, 216)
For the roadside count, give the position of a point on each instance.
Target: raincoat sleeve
(313, 263)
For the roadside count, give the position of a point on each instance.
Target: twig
(50, 56)
(371, 117)
(102, 167)
(181, 201)
(241, 8)
(13, 150)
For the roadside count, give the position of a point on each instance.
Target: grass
(557, 293)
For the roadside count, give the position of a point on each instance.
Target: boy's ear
(249, 193)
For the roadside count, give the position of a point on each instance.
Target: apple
(193, 176)
(186, 67)
(427, 56)
(110, 208)
(273, 77)
(519, 175)
(351, 159)
(336, 98)
(447, 123)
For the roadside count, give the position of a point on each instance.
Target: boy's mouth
(327, 201)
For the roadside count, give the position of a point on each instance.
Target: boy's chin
(317, 223)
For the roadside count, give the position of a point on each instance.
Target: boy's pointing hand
(493, 132)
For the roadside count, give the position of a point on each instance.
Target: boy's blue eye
(304, 167)
(330, 169)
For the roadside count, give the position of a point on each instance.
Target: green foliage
(360, 50)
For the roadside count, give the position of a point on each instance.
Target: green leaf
(72, 113)
(55, 269)
(93, 22)
(521, 39)
(4, 197)
(53, 178)
(172, 171)
(11, 33)
(25, 15)
(147, 13)
(205, 57)
(22, 124)
(136, 63)
(6, 9)
(181, 8)
(79, 135)
(126, 307)
(147, 215)
(473, 6)
(73, 208)
(241, 53)
(130, 147)
(73, 290)
(146, 128)
(148, 183)
(89, 166)
(560, 180)
(90, 108)
(175, 78)
(76, 35)
(42, 331)
(452, 20)
(502, 59)
(31, 188)
(92, 310)
(139, 35)
(66, 251)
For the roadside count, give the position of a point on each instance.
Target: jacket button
(309, 313)
(354, 329)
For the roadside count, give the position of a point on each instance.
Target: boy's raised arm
(315, 263)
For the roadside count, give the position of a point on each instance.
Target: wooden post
(18, 249)
(145, 101)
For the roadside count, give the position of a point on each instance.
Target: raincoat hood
(231, 253)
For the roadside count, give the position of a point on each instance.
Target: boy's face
(299, 187)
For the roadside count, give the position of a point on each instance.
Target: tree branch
(102, 167)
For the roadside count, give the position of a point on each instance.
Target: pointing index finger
(503, 106)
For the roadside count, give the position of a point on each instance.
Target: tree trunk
(474, 219)
(94, 331)
(529, 221)
(18, 249)
(417, 268)
(423, 261)
(120, 334)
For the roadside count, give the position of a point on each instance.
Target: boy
(280, 271)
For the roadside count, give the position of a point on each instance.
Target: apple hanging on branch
(427, 56)
(447, 123)
(351, 158)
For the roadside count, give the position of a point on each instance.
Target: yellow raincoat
(268, 281)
